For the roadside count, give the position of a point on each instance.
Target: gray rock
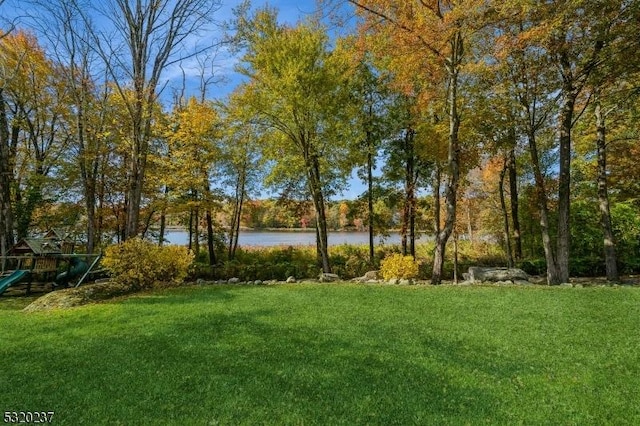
(258, 282)
(370, 275)
(291, 279)
(328, 278)
(234, 280)
(477, 273)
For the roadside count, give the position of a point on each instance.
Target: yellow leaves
(191, 134)
(397, 266)
(25, 68)
(141, 264)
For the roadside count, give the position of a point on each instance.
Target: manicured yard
(330, 354)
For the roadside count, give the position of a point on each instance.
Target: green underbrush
(347, 260)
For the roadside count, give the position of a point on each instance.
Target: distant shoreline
(175, 228)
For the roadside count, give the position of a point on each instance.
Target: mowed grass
(330, 354)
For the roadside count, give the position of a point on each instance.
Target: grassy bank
(330, 354)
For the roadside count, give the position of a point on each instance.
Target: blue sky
(289, 11)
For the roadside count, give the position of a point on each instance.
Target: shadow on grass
(256, 367)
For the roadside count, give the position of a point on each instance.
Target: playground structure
(42, 260)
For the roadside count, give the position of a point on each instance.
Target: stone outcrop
(478, 274)
(328, 278)
(70, 297)
(369, 277)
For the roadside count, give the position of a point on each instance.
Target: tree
(429, 38)
(192, 138)
(407, 163)
(67, 33)
(6, 177)
(372, 101)
(241, 165)
(35, 108)
(569, 37)
(528, 77)
(610, 81)
(296, 87)
(152, 31)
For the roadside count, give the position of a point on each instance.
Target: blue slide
(15, 277)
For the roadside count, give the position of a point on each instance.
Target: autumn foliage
(141, 264)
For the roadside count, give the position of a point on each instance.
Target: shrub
(141, 264)
(397, 266)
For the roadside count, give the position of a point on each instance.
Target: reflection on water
(291, 238)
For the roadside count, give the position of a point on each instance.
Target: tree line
(460, 117)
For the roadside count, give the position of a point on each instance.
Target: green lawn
(330, 354)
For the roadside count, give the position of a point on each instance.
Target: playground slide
(15, 277)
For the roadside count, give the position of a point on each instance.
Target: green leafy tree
(297, 88)
(241, 167)
(432, 40)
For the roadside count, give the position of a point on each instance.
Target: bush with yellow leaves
(141, 264)
(397, 266)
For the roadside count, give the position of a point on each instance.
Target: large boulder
(479, 274)
(370, 276)
(328, 278)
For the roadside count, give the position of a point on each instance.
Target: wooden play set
(42, 260)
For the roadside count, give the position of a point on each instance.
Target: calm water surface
(293, 238)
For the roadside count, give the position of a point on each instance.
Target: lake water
(291, 238)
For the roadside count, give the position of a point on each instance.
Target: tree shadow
(255, 367)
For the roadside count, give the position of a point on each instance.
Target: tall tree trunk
(196, 230)
(513, 194)
(134, 192)
(564, 183)
(90, 206)
(455, 256)
(191, 229)
(6, 178)
(453, 158)
(234, 230)
(437, 205)
(315, 186)
(370, 196)
(541, 198)
(89, 172)
(469, 223)
(408, 213)
(210, 244)
(610, 256)
(163, 217)
(163, 227)
(505, 214)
